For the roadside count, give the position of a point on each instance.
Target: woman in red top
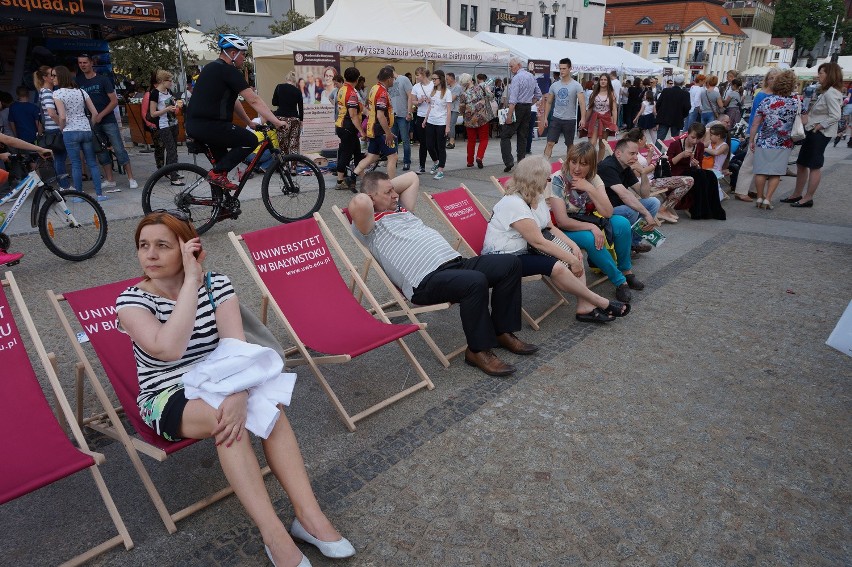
(685, 154)
(602, 112)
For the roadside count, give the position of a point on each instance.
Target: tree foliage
(212, 35)
(806, 20)
(291, 21)
(135, 57)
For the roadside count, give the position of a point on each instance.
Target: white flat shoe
(332, 549)
(303, 563)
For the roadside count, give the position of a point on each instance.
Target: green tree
(845, 31)
(291, 21)
(135, 57)
(806, 20)
(212, 35)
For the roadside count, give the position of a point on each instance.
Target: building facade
(253, 16)
(697, 35)
(781, 54)
(755, 18)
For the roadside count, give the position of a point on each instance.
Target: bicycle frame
(29, 183)
(266, 144)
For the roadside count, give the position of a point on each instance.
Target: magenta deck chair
(296, 256)
(398, 306)
(465, 217)
(94, 311)
(36, 451)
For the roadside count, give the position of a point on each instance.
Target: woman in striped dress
(170, 319)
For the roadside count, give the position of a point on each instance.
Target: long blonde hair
(529, 179)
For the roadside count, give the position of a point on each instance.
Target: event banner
(315, 71)
(384, 51)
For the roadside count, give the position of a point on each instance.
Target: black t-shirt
(288, 98)
(98, 88)
(612, 173)
(216, 92)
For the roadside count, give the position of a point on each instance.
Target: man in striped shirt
(428, 270)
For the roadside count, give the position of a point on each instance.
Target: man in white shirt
(616, 88)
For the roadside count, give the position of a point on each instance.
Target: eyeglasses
(178, 214)
(436, 78)
(53, 75)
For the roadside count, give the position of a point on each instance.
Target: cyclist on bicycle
(11, 257)
(210, 113)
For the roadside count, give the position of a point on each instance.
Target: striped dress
(159, 380)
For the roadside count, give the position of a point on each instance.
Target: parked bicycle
(71, 224)
(292, 189)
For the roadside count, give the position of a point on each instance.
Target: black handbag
(52, 140)
(663, 168)
(600, 222)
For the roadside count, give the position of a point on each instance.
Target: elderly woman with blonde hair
(521, 225)
(289, 102)
(475, 108)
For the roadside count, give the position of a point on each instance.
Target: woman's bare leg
(759, 184)
(566, 281)
(772, 185)
(813, 183)
(243, 473)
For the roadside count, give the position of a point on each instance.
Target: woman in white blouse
(71, 104)
(521, 225)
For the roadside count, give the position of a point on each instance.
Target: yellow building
(698, 35)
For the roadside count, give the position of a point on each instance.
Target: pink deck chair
(400, 305)
(296, 256)
(36, 451)
(466, 218)
(94, 312)
(500, 182)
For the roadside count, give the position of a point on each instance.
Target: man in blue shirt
(102, 92)
(562, 99)
(523, 92)
(24, 117)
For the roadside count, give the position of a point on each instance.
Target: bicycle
(71, 224)
(292, 189)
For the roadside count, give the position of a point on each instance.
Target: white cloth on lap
(235, 366)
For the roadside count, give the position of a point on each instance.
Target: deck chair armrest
(98, 457)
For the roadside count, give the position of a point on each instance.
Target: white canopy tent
(585, 57)
(371, 33)
(757, 71)
(844, 61)
(675, 69)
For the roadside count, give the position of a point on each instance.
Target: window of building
(699, 46)
(673, 47)
(725, 20)
(655, 47)
(567, 28)
(646, 21)
(777, 55)
(545, 25)
(619, 44)
(474, 16)
(715, 47)
(574, 28)
(247, 6)
(637, 47)
(463, 17)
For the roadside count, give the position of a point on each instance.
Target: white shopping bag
(841, 336)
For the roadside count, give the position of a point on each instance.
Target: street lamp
(671, 29)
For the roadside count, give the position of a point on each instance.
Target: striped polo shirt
(407, 249)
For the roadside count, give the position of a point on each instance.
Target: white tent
(675, 69)
(844, 61)
(585, 57)
(758, 71)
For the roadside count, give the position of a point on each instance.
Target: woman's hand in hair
(193, 257)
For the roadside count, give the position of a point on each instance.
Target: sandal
(617, 309)
(596, 315)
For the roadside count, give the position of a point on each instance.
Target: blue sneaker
(102, 198)
(434, 169)
(439, 175)
(76, 200)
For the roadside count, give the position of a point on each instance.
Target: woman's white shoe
(332, 549)
(303, 563)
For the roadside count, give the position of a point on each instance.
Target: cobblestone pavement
(709, 427)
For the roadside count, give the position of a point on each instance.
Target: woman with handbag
(150, 127)
(676, 186)
(602, 113)
(733, 101)
(521, 225)
(71, 105)
(583, 211)
(820, 125)
(711, 102)
(475, 108)
(162, 111)
(44, 79)
(169, 319)
(770, 137)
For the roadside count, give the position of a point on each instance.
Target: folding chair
(466, 217)
(404, 308)
(94, 311)
(36, 451)
(500, 182)
(289, 260)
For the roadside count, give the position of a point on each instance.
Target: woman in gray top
(711, 101)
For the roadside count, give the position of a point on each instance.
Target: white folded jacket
(235, 366)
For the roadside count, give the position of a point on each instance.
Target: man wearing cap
(673, 106)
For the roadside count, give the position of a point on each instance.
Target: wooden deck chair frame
(48, 361)
(314, 362)
(400, 306)
(109, 423)
(535, 322)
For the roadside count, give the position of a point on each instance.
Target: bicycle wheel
(293, 189)
(75, 242)
(196, 198)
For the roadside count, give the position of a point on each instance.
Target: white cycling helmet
(229, 41)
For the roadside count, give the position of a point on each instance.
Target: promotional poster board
(315, 71)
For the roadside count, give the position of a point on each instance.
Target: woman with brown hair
(44, 79)
(603, 109)
(820, 125)
(163, 111)
(175, 317)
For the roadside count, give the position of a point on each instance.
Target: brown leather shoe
(513, 344)
(488, 362)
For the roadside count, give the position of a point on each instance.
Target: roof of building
(634, 17)
(783, 42)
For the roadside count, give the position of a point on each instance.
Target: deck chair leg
(335, 401)
(79, 371)
(529, 319)
(439, 354)
(111, 508)
(264, 309)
